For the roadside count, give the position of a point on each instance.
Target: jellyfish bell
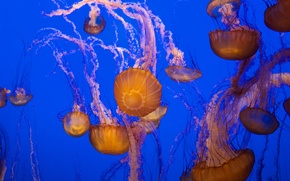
(137, 92)
(182, 74)
(214, 6)
(258, 121)
(237, 169)
(20, 97)
(237, 44)
(277, 16)
(3, 96)
(286, 105)
(94, 26)
(76, 123)
(109, 139)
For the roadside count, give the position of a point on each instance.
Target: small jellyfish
(94, 26)
(277, 16)
(182, 74)
(109, 139)
(3, 96)
(76, 123)
(137, 92)
(258, 121)
(20, 97)
(152, 121)
(214, 6)
(237, 169)
(237, 44)
(286, 105)
(95, 23)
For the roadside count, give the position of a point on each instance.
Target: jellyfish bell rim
(182, 74)
(229, 45)
(214, 5)
(94, 29)
(253, 119)
(227, 171)
(286, 106)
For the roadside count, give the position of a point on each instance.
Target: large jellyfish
(238, 41)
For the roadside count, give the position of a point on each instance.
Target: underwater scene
(113, 90)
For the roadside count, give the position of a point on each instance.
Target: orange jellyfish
(76, 123)
(109, 139)
(3, 97)
(182, 74)
(277, 16)
(137, 92)
(238, 169)
(286, 105)
(95, 23)
(237, 44)
(20, 97)
(258, 121)
(152, 120)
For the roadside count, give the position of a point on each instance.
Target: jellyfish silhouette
(286, 105)
(258, 121)
(137, 92)
(276, 17)
(3, 97)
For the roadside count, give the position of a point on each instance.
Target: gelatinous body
(182, 74)
(109, 139)
(20, 97)
(94, 26)
(151, 121)
(237, 169)
(137, 92)
(3, 97)
(286, 105)
(214, 5)
(76, 123)
(277, 16)
(258, 121)
(236, 44)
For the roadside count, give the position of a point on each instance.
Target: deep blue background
(61, 157)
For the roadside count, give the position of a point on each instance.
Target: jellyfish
(236, 42)
(76, 123)
(137, 92)
(21, 94)
(152, 120)
(276, 17)
(182, 74)
(95, 23)
(286, 105)
(3, 96)
(258, 121)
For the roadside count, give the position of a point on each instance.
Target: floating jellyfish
(214, 6)
(95, 23)
(236, 42)
(258, 121)
(3, 97)
(152, 120)
(109, 139)
(137, 92)
(286, 105)
(20, 97)
(76, 123)
(238, 169)
(182, 74)
(276, 17)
